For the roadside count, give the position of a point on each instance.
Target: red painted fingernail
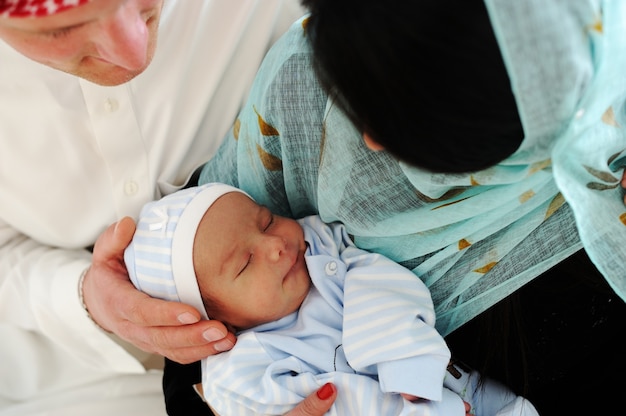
(326, 391)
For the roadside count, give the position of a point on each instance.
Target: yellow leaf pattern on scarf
(526, 196)
(609, 117)
(265, 128)
(270, 162)
(463, 244)
(622, 218)
(486, 267)
(449, 203)
(596, 25)
(536, 167)
(556, 203)
(236, 128)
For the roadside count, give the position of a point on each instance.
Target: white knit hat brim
(159, 259)
(183, 240)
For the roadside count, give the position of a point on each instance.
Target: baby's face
(251, 260)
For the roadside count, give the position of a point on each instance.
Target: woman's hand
(171, 329)
(318, 403)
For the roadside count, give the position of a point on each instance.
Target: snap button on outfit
(331, 268)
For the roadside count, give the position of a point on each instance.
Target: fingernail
(325, 391)
(213, 334)
(223, 345)
(187, 318)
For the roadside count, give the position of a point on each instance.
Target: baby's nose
(275, 247)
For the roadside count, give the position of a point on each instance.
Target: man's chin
(101, 72)
(108, 78)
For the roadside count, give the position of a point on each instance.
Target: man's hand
(318, 403)
(171, 329)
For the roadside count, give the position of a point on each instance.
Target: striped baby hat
(159, 258)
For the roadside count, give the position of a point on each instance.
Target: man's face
(108, 42)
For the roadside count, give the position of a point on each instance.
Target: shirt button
(111, 105)
(130, 188)
(331, 268)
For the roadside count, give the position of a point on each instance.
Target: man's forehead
(36, 8)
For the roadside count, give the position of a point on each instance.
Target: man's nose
(123, 38)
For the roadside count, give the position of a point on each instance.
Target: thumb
(318, 403)
(123, 232)
(114, 239)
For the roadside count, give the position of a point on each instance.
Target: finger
(191, 354)
(111, 244)
(106, 281)
(123, 231)
(202, 333)
(180, 342)
(318, 403)
(140, 309)
(186, 355)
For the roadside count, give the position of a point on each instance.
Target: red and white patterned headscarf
(36, 8)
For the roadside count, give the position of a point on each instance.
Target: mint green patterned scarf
(473, 239)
